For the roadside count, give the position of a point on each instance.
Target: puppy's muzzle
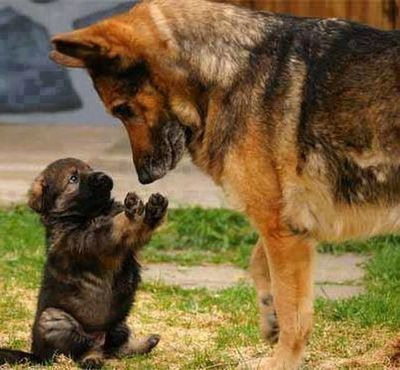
(100, 182)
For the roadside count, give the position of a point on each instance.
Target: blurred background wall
(378, 13)
(34, 90)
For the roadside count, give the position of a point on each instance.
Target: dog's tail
(9, 356)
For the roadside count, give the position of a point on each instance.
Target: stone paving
(335, 276)
(26, 149)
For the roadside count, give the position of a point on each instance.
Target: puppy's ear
(36, 195)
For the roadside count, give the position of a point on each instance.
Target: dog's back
(341, 81)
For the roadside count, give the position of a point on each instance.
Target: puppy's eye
(73, 179)
(123, 111)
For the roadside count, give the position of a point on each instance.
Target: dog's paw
(138, 346)
(92, 360)
(156, 208)
(133, 205)
(153, 340)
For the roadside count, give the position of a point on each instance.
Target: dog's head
(133, 70)
(69, 187)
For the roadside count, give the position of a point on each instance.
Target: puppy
(91, 273)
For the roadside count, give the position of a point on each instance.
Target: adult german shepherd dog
(91, 273)
(298, 119)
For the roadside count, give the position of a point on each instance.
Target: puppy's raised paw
(156, 208)
(134, 206)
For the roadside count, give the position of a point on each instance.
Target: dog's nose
(101, 181)
(144, 176)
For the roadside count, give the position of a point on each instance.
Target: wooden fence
(378, 13)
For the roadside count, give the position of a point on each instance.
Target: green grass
(380, 305)
(21, 246)
(190, 236)
(220, 327)
(195, 235)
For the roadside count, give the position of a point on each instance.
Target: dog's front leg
(259, 271)
(290, 260)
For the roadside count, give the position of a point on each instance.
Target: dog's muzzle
(145, 176)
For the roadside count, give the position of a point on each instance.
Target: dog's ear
(36, 195)
(76, 49)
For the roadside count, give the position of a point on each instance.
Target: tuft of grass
(361, 246)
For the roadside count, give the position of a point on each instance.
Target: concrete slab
(25, 150)
(331, 291)
(331, 274)
(339, 269)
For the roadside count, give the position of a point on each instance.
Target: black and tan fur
(297, 119)
(91, 273)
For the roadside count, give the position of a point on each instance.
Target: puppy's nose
(100, 180)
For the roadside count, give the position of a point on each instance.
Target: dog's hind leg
(259, 271)
(61, 333)
(121, 343)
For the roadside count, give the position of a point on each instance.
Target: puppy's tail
(9, 356)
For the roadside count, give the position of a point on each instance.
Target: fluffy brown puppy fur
(297, 118)
(91, 272)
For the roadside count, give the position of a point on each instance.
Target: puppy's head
(134, 70)
(70, 187)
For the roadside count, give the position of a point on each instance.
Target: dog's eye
(123, 111)
(73, 179)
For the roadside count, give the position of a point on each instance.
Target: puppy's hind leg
(121, 343)
(61, 333)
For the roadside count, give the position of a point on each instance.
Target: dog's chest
(93, 299)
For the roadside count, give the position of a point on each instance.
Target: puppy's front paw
(133, 206)
(156, 208)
